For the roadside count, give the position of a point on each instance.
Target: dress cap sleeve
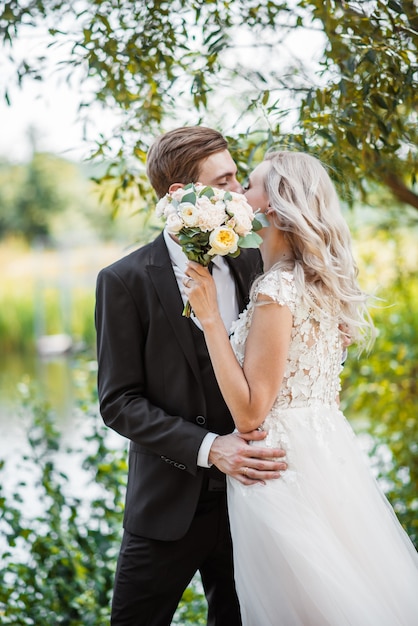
(279, 286)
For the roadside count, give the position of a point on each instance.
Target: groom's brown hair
(176, 156)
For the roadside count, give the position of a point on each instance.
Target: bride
(321, 546)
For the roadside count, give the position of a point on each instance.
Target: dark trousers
(152, 575)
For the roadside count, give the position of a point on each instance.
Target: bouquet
(209, 221)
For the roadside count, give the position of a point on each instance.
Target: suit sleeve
(130, 384)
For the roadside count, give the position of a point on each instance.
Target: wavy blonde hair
(305, 206)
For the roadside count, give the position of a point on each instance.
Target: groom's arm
(132, 387)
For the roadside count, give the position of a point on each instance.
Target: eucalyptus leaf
(252, 240)
(189, 197)
(260, 221)
(208, 192)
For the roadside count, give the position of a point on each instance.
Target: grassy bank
(45, 292)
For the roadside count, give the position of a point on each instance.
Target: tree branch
(401, 191)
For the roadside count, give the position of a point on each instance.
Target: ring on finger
(245, 471)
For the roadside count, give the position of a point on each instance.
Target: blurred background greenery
(245, 68)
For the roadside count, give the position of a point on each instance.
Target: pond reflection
(52, 380)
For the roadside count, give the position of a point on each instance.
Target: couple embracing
(234, 426)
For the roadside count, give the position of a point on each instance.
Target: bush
(60, 549)
(380, 396)
(58, 565)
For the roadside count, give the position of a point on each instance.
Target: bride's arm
(249, 391)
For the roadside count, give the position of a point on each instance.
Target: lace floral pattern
(311, 379)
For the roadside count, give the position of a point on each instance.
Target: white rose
(220, 205)
(203, 203)
(212, 219)
(218, 195)
(210, 215)
(223, 241)
(241, 200)
(241, 218)
(236, 196)
(161, 205)
(169, 209)
(174, 223)
(189, 214)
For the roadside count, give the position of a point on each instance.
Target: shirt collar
(177, 256)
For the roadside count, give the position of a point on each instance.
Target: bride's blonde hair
(304, 205)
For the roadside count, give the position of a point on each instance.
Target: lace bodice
(314, 360)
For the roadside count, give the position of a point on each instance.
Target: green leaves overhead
(226, 63)
(367, 105)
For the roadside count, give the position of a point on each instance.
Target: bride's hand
(200, 290)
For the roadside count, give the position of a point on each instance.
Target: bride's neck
(275, 249)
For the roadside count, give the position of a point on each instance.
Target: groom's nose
(236, 186)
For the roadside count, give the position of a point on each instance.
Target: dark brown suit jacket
(150, 388)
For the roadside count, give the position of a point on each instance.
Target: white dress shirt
(227, 302)
(225, 285)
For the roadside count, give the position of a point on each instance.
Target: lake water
(52, 380)
(61, 382)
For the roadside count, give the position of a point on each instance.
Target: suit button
(200, 420)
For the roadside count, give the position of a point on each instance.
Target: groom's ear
(175, 186)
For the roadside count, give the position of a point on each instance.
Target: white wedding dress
(320, 546)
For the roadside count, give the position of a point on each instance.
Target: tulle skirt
(320, 546)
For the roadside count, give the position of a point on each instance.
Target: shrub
(62, 526)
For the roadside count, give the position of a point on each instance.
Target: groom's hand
(233, 455)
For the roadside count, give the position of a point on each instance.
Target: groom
(157, 388)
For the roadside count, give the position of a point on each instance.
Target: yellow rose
(223, 240)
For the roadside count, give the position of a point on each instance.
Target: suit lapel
(163, 278)
(240, 274)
